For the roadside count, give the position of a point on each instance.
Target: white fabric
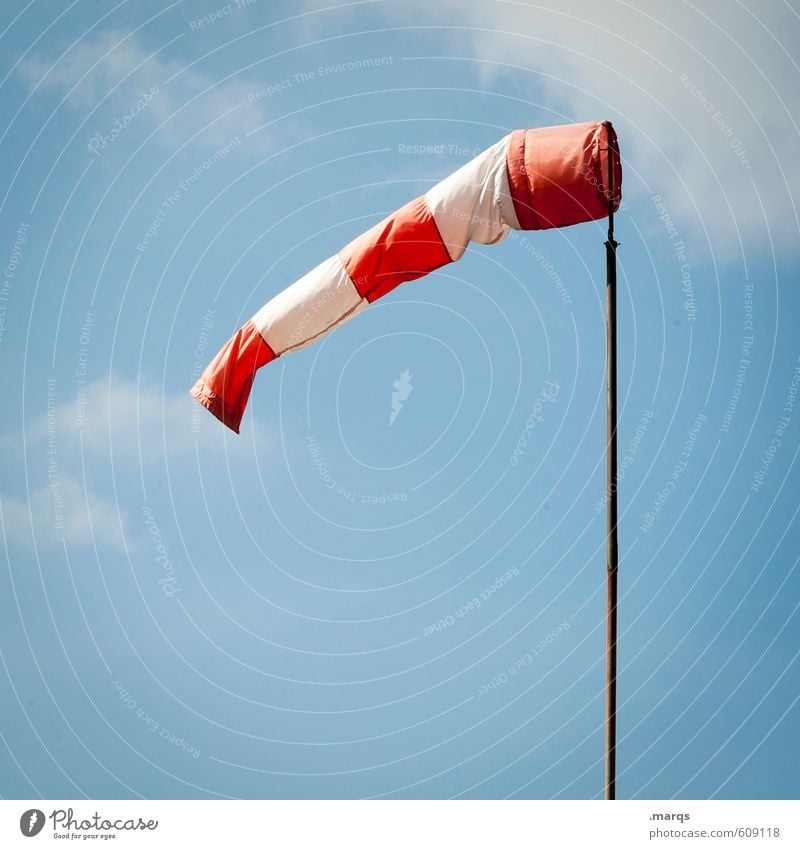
(474, 203)
(321, 300)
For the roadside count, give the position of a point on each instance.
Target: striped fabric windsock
(529, 180)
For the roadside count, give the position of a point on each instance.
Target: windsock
(529, 180)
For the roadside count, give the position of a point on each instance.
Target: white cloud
(116, 432)
(113, 67)
(120, 421)
(704, 99)
(63, 510)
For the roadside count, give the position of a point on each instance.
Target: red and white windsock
(529, 180)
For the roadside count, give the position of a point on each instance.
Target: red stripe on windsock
(224, 387)
(557, 176)
(402, 247)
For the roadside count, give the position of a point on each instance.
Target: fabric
(529, 180)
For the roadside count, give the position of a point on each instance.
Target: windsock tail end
(206, 396)
(224, 387)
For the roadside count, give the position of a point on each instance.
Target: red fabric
(402, 247)
(558, 176)
(224, 386)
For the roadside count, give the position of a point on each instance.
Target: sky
(392, 583)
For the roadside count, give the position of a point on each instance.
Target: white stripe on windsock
(474, 204)
(317, 303)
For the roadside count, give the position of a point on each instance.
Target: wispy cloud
(704, 98)
(129, 83)
(85, 457)
(121, 421)
(63, 510)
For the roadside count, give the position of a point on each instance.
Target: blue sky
(334, 604)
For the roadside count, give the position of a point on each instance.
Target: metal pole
(612, 549)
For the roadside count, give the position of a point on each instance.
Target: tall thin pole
(612, 550)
